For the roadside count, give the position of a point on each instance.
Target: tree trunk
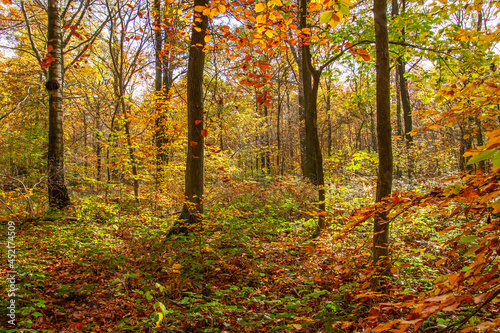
(313, 152)
(131, 152)
(160, 128)
(279, 167)
(302, 119)
(57, 191)
(193, 207)
(384, 181)
(310, 170)
(329, 116)
(405, 101)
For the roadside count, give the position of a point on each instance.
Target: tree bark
(384, 181)
(313, 147)
(310, 170)
(193, 207)
(160, 128)
(57, 191)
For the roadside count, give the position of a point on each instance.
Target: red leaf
(192, 143)
(204, 132)
(196, 122)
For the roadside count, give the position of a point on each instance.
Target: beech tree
(58, 193)
(193, 206)
(59, 39)
(384, 135)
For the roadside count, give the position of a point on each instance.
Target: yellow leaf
(199, 9)
(270, 33)
(326, 16)
(261, 6)
(222, 9)
(208, 38)
(261, 19)
(335, 20)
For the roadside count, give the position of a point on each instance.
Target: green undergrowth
(252, 267)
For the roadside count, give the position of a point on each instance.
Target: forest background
(336, 169)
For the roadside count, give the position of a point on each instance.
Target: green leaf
(429, 256)
(326, 16)
(344, 9)
(161, 306)
(481, 157)
(496, 159)
(468, 239)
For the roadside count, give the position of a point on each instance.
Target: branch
(88, 42)
(466, 319)
(30, 36)
(422, 47)
(15, 107)
(332, 59)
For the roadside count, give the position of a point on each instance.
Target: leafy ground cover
(253, 267)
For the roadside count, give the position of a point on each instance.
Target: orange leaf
(49, 48)
(196, 122)
(384, 327)
(192, 143)
(204, 132)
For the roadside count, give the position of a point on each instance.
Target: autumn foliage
(275, 104)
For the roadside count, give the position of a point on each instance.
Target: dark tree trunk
(160, 121)
(310, 170)
(193, 207)
(384, 181)
(313, 147)
(405, 101)
(278, 130)
(57, 191)
(329, 117)
(302, 118)
(479, 138)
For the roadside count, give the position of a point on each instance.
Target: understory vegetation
(252, 266)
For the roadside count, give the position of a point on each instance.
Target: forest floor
(253, 267)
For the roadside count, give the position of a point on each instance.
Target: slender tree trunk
(160, 128)
(329, 116)
(310, 171)
(311, 115)
(320, 180)
(57, 191)
(405, 101)
(373, 131)
(479, 138)
(131, 152)
(193, 207)
(304, 164)
(278, 131)
(384, 181)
